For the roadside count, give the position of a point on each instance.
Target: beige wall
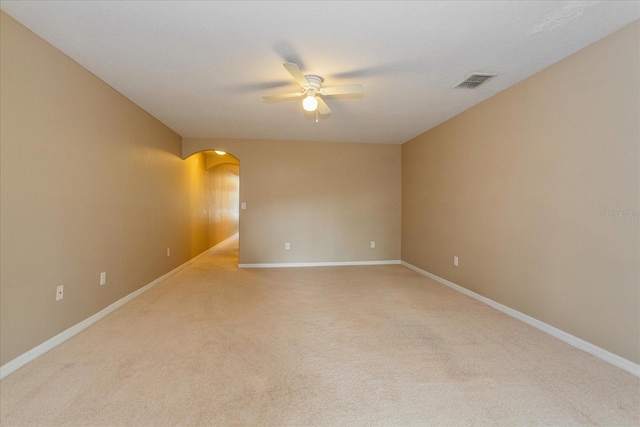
(329, 200)
(89, 183)
(536, 191)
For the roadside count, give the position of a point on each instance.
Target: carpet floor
(214, 345)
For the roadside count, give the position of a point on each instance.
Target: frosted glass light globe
(310, 103)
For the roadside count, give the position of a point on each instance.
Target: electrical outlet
(243, 205)
(455, 261)
(59, 293)
(373, 244)
(103, 278)
(287, 246)
(168, 251)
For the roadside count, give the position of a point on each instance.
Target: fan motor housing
(315, 82)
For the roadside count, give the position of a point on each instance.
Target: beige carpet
(332, 346)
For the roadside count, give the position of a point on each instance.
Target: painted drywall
(328, 200)
(213, 195)
(224, 184)
(536, 191)
(90, 183)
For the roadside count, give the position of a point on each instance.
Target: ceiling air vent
(474, 80)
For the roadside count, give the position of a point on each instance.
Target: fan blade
(296, 73)
(343, 90)
(282, 96)
(323, 108)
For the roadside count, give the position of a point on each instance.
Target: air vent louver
(474, 80)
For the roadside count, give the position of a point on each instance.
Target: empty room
(319, 213)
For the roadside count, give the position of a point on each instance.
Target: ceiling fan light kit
(312, 91)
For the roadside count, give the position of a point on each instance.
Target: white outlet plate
(243, 205)
(373, 244)
(455, 261)
(103, 278)
(287, 246)
(59, 293)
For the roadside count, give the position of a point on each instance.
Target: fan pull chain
(316, 116)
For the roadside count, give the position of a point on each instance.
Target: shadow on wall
(215, 187)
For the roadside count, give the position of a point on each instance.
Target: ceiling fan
(312, 90)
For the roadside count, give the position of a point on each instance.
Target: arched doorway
(223, 176)
(214, 187)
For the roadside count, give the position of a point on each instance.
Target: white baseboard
(55, 341)
(601, 353)
(318, 264)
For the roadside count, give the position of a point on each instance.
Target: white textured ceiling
(202, 67)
